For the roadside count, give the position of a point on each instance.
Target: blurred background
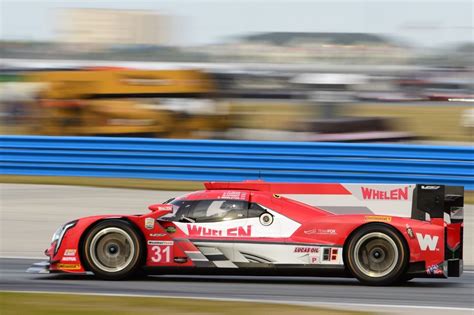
(281, 70)
(350, 71)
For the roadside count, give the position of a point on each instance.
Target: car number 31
(161, 254)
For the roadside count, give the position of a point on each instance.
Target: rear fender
(425, 240)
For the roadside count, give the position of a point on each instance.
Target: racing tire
(113, 250)
(377, 255)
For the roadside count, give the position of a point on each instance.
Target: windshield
(176, 205)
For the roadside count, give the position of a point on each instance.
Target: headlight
(59, 234)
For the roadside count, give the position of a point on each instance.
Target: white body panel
(382, 199)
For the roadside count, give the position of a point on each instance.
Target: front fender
(68, 256)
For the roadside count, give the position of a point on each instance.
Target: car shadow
(415, 283)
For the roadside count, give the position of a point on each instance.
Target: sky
(421, 23)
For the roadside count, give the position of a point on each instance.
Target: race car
(379, 234)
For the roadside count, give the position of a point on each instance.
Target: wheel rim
(376, 254)
(112, 249)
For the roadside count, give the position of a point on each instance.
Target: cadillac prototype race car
(379, 234)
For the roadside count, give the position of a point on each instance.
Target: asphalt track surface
(30, 213)
(451, 295)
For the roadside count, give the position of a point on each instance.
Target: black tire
(113, 250)
(377, 255)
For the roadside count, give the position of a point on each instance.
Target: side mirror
(161, 209)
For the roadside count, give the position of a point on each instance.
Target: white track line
(315, 304)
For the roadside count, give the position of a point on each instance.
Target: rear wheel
(113, 250)
(377, 255)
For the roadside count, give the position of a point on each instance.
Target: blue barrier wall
(236, 160)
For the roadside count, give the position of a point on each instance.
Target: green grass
(52, 304)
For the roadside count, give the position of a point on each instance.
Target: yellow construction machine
(162, 103)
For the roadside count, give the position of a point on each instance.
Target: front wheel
(112, 250)
(377, 255)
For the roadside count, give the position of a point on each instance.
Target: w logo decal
(427, 241)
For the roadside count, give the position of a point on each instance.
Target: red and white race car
(380, 234)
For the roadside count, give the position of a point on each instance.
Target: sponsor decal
(306, 250)
(320, 232)
(170, 229)
(69, 259)
(435, 269)
(330, 254)
(394, 194)
(165, 207)
(160, 243)
(276, 196)
(160, 207)
(157, 234)
(239, 231)
(426, 187)
(427, 242)
(314, 259)
(70, 252)
(378, 218)
(237, 195)
(320, 255)
(326, 256)
(69, 266)
(149, 223)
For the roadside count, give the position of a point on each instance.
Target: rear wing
(438, 201)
